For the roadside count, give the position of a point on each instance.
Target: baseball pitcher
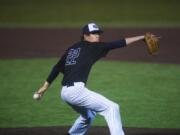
(75, 65)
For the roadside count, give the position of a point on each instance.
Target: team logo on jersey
(73, 54)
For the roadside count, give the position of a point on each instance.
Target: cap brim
(94, 32)
(97, 31)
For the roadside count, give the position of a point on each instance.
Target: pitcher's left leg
(113, 119)
(107, 108)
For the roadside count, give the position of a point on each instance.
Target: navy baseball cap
(91, 28)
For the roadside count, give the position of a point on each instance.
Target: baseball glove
(152, 43)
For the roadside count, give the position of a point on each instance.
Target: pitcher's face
(92, 37)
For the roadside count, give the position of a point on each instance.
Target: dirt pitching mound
(91, 131)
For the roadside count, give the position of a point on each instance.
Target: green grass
(148, 94)
(70, 13)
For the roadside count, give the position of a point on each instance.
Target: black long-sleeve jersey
(77, 61)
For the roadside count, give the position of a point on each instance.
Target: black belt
(69, 84)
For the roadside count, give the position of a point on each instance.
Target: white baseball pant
(88, 103)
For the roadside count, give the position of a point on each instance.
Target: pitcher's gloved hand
(152, 43)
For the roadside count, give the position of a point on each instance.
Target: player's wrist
(45, 86)
(142, 37)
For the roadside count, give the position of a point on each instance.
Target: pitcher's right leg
(82, 123)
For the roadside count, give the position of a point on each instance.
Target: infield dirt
(41, 42)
